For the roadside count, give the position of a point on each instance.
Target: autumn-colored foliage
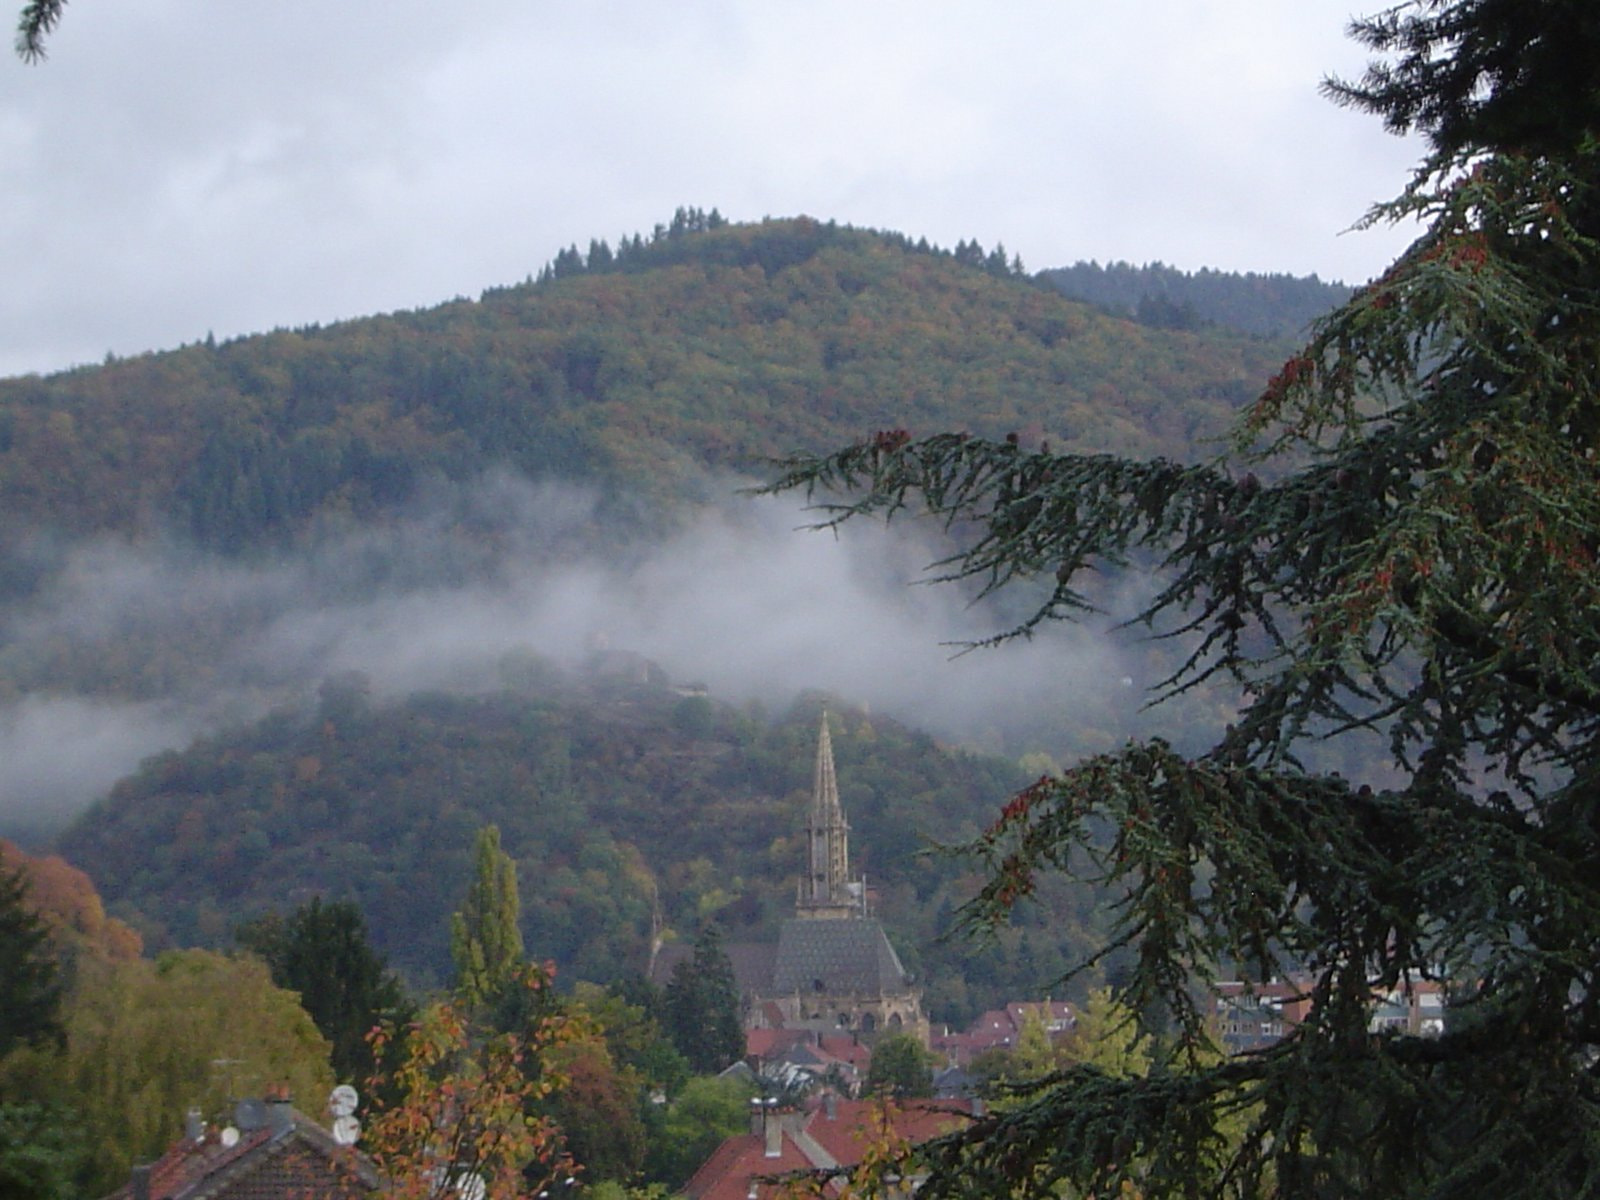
(66, 900)
(463, 1114)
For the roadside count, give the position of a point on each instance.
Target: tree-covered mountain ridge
(708, 347)
(1272, 305)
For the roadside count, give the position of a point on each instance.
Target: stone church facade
(833, 968)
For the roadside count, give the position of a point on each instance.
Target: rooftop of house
(271, 1152)
(833, 1134)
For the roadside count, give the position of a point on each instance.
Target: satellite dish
(230, 1138)
(342, 1101)
(470, 1186)
(346, 1130)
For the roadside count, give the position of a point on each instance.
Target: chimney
(139, 1183)
(194, 1129)
(280, 1117)
(774, 1135)
(830, 1106)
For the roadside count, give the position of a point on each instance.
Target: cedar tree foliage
(1399, 545)
(38, 19)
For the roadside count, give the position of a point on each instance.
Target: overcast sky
(179, 167)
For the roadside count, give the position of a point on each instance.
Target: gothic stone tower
(826, 889)
(834, 969)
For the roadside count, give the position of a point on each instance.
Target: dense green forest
(623, 803)
(1166, 298)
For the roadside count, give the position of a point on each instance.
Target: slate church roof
(836, 957)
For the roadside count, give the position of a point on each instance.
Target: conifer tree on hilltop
(1400, 547)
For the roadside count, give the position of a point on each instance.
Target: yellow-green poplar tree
(486, 935)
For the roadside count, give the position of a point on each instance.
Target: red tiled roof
(813, 1141)
(857, 1124)
(765, 1043)
(730, 1172)
(846, 1048)
(288, 1162)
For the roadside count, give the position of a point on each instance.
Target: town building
(270, 1151)
(1252, 1016)
(833, 969)
(829, 1136)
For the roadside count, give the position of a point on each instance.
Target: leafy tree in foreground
(460, 1121)
(1401, 547)
(148, 1040)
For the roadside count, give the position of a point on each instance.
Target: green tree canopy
(708, 1111)
(40, 1153)
(146, 1041)
(486, 935)
(1399, 550)
(901, 1067)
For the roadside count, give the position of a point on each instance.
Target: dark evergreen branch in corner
(38, 20)
(1402, 541)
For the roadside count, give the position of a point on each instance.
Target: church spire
(827, 890)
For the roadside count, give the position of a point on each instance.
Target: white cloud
(178, 167)
(747, 601)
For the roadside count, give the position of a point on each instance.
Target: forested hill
(192, 537)
(617, 796)
(1166, 298)
(640, 370)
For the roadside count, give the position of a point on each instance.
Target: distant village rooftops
(999, 1029)
(1251, 1016)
